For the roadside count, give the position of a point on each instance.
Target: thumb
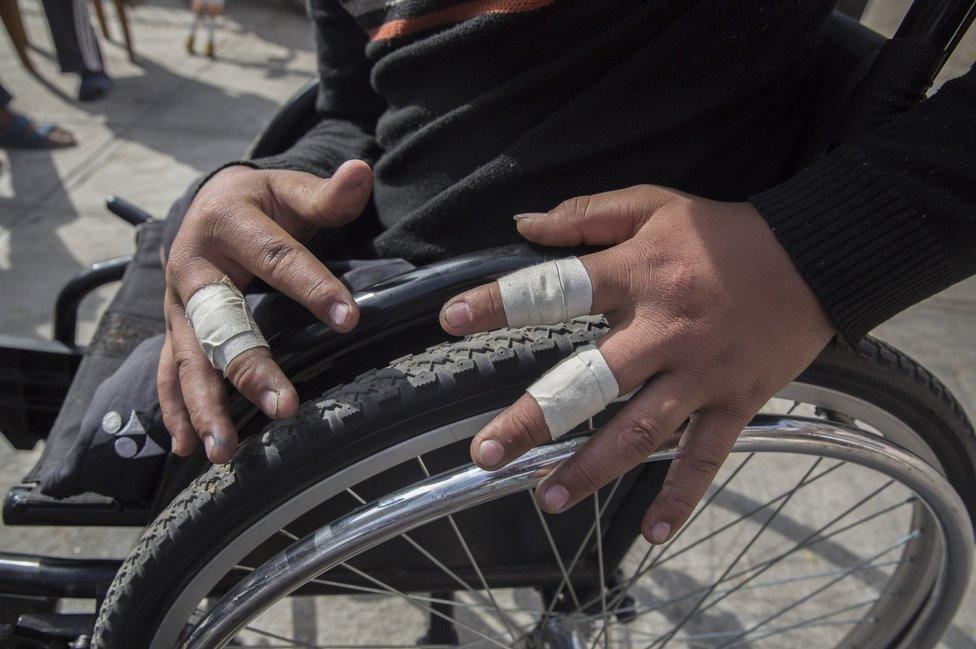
(303, 202)
(595, 220)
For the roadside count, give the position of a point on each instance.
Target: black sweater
(472, 111)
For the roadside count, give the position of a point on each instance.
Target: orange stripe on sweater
(455, 14)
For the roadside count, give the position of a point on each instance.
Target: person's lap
(109, 437)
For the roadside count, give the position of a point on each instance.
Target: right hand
(246, 223)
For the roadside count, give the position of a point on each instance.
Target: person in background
(205, 11)
(19, 132)
(77, 46)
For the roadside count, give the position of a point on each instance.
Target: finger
(175, 417)
(203, 389)
(705, 444)
(254, 372)
(488, 307)
(263, 248)
(574, 398)
(594, 220)
(633, 352)
(255, 375)
(635, 432)
(518, 429)
(305, 203)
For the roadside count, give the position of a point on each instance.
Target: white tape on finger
(548, 293)
(223, 323)
(574, 390)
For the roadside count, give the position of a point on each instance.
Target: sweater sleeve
(347, 109)
(889, 219)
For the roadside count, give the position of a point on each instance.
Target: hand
(246, 223)
(704, 305)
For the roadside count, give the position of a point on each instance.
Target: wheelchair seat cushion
(134, 314)
(119, 449)
(121, 444)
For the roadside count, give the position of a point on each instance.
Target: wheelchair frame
(35, 375)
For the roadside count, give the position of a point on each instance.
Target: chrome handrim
(923, 550)
(370, 525)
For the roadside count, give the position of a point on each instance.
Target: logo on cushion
(131, 441)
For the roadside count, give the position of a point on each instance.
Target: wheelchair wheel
(800, 542)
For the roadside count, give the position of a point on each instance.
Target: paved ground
(172, 116)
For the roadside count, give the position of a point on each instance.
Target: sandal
(21, 133)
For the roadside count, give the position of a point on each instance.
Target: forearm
(326, 146)
(889, 219)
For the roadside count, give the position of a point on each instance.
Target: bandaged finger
(547, 293)
(222, 322)
(575, 390)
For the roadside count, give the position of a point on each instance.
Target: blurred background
(170, 115)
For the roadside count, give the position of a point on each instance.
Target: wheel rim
(174, 621)
(399, 513)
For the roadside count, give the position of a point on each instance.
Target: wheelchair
(843, 518)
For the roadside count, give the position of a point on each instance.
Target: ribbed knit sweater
(472, 111)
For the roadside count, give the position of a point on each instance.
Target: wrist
(802, 304)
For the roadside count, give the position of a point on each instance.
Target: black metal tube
(72, 293)
(23, 507)
(935, 21)
(963, 28)
(27, 574)
(126, 211)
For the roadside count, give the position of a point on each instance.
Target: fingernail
(555, 497)
(269, 403)
(490, 453)
(208, 444)
(529, 215)
(458, 315)
(338, 313)
(660, 532)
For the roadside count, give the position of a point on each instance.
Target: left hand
(704, 305)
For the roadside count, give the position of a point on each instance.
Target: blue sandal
(21, 133)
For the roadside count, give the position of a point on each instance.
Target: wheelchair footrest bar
(57, 629)
(28, 574)
(23, 506)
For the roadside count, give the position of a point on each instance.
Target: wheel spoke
(640, 572)
(620, 591)
(749, 514)
(422, 598)
(430, 557)
(825, 537)
(597, 513)
(275, 636)
(422, 606)
(657, 606)
(819, 620)
(684, 620)
(555, 549)
(803, 543)
(474, 564)
(576, 557)
(718, 635)
(636, 612)
(844, 574)
(346, 646)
